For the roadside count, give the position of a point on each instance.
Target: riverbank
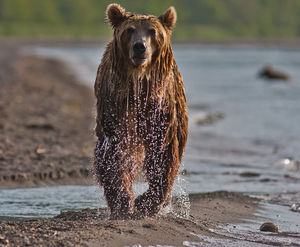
(46, 125)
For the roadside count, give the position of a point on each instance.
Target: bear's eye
(152, 32)
(130, 30)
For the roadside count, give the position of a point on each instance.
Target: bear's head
(140, 38)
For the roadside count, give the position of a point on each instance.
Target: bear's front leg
(161, 166)
(111, 174)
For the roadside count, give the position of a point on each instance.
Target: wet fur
(141, 120)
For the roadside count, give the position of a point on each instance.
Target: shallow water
(47, 201)
(243, 152)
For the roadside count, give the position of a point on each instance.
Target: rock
(295, 207)
(272, 74)
(249, 174)
(269, 227)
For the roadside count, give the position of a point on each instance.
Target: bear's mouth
(137, 61)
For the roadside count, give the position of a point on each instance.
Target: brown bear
(142, 121)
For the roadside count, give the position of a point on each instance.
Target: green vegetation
(197, 19)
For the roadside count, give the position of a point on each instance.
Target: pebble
(269, 227)
(40, 150)
(3, 240)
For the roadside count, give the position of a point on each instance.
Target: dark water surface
(246, 151)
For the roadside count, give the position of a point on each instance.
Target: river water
(246, 151)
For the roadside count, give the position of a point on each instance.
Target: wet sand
(46, 133)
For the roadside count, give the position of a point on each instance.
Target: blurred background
(204, 19)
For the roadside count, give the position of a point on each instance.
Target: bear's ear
(115, 14)
(168, 18)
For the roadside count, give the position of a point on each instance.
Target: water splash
(180, 205)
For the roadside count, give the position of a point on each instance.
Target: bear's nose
(139, 47)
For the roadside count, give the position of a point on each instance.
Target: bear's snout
(139, 48)
(139, 52)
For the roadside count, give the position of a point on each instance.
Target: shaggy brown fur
(142, 118)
